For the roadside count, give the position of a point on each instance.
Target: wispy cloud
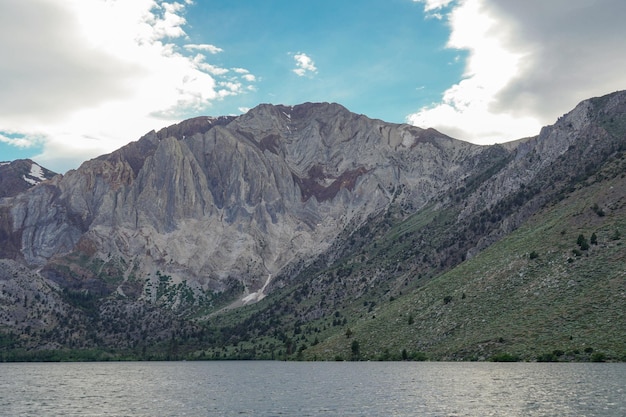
(212, 49)
(430, 5)
(433, 8)
(19, 141)
(245, 74)
(304, 65)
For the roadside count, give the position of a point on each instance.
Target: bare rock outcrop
(213, 203)
(211, 200)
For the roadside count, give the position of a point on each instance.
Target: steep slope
(15, 178)
(20, 175)
(213, 203)
(541, 293)
(347, 290)
(328, 221)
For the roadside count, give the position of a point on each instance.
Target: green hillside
(537, 294)
(518, 255)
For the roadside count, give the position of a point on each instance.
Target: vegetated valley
(312, 233)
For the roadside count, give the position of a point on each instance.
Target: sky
(80, 78)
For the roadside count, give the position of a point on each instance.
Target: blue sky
(80, 78)
(379, 58)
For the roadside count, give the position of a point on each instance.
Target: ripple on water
(312, 389)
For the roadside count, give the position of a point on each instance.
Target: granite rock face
(214, 204)
(212, 200)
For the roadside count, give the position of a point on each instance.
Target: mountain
(20, 175)
(214, 203)
(287, 231)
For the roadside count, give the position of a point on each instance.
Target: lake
(258, 388)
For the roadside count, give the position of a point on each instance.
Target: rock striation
(331, 215)
(225, 204)
(212, 201)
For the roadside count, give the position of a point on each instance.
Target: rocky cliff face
(210, 202)
(540, 168)
(335, 208)
(216, 204)
(16, 177)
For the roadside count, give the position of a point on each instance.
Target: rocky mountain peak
(239, 198)
(19, 175)
(213, 201)
(346, 214)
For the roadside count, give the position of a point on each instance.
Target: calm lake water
(312, 389)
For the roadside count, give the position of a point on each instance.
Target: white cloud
(229, 88)
(528, 62)
(199, 63)
(304, 64)
(245, 74)
(430, 5)
(249, 77)
(212, 49)
(465, 108)
(92, 75)
(20, 141)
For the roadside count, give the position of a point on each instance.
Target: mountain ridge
(308, 199)
(19, 175)
(103, 189)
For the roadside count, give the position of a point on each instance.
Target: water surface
(259, 388)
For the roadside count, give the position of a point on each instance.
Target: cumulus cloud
(573, 50)
(528, 62)
(46, 71)
(304, 64)
(92, 75)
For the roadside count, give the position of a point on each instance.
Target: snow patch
(35, 176)
(257, 295)
(30, 180)
(288, 116)
(37, 172)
